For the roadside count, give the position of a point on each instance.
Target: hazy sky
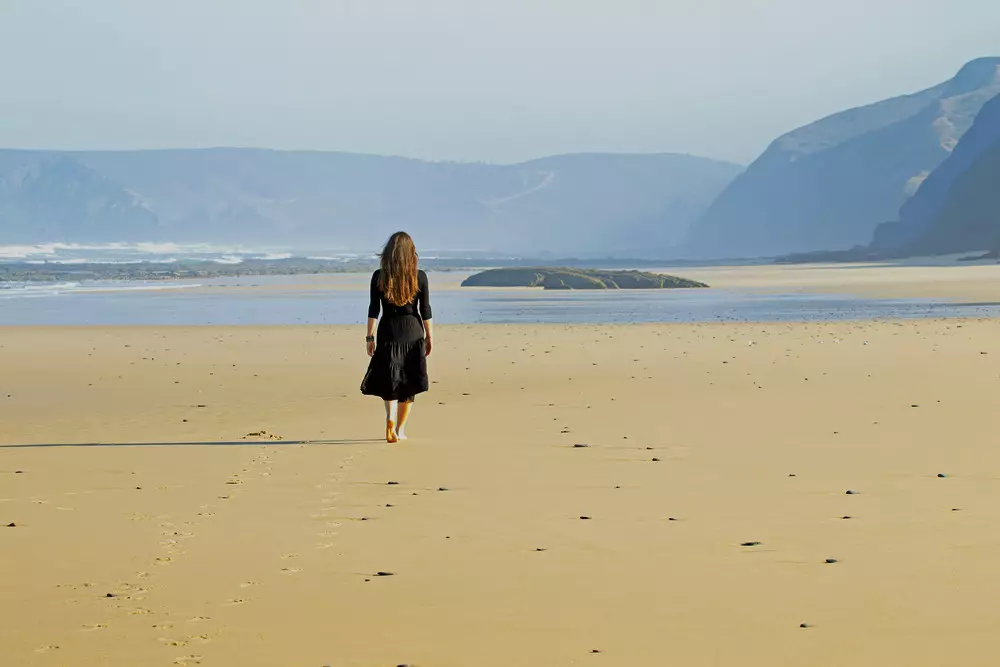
(498, 80)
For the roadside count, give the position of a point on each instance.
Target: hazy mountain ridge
(920, 223)
(828, 184)
(969, 220)
(573, 203)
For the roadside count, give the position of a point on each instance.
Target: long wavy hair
(398, 280)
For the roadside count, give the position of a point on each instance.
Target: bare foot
(390, 431)
(400, 435)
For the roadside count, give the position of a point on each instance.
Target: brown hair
(398, 280)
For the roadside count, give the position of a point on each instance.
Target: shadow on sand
(202, 443)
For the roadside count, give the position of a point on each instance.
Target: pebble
(540, 549)
(654, 460)
(392, 483)
(580, 445)
(110, 595)
(12, 525)
(804, 625)
(750, 544)
(443, 488)
(851, 492)
(941, 475)
(846, 516)
(18, 472)
(585, 518)
(830, 561)
(384, 574)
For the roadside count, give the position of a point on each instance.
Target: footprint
(94, 626)
(290, 570)
(188, 660)
(199, 619)
(164, 560)
(325, 545)
(248, 584)
(236, 601)
(46, 649)
(287, 556)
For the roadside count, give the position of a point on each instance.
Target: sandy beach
(149, 531)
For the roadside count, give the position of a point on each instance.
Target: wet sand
(148, 531)
(929, 278)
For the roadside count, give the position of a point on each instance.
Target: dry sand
(125, 472)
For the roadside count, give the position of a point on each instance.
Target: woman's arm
(424, 306)
(374, 305)
(370, 336)
(428, 335)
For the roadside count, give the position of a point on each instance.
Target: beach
(569, 495)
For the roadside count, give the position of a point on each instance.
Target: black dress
(398, 371)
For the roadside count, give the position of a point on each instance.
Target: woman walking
(397, 371)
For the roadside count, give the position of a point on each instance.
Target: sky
(468, 80)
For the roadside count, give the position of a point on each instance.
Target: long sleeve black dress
(398, 371)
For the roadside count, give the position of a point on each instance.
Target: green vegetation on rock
(564, 278)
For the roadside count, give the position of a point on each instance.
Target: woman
(397, 371)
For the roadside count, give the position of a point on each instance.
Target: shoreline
(967, 282)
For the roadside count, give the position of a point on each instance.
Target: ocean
(343, 299)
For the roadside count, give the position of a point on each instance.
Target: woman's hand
(371, 348)
(428, 346)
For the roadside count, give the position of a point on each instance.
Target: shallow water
(343, 299)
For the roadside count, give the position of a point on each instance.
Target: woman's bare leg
(390, 427)
(404, 414)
